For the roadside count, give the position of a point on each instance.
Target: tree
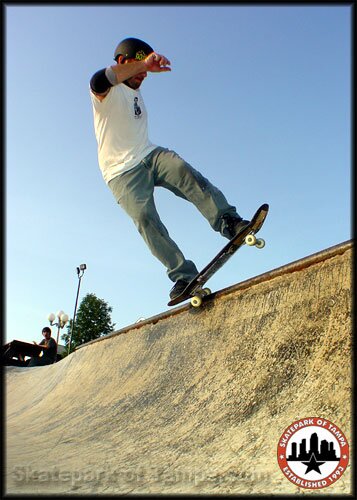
(92, 321)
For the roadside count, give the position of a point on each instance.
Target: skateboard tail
(255, 224)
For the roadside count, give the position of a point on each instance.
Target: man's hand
(155, 63)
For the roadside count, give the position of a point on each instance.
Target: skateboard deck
(194, 289)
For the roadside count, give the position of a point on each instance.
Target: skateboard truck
(250, 240)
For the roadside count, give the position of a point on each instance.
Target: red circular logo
(313, 453)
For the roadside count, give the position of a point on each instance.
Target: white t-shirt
(121, 129)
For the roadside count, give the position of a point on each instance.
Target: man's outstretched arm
(104, 79)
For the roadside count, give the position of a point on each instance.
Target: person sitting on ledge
(49, 346)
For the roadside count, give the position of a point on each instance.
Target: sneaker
(231, 225)
(178, 288)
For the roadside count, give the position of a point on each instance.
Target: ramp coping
(294, 266)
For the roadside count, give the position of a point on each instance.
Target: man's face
(135, 81)
(46, 334)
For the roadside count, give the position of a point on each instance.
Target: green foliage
(93, 320)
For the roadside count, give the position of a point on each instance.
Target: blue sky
(258, 100)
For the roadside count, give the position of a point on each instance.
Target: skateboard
(194, 289)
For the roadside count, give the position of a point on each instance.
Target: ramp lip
(294, 266)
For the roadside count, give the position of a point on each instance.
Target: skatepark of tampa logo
(313, 453)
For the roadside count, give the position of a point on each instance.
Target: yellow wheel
(260, 243)
(196, 301)
(250, 240)
(206, 291)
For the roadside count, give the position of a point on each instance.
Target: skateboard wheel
(250, 240)
(260, 243)
(196, 301)
(206, 291)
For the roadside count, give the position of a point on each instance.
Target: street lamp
(80, 272)
(62, 320)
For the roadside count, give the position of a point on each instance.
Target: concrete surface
(191, 401)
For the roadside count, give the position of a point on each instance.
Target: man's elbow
(99, 82)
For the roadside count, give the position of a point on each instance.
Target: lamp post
(62, 320)
(80, 272)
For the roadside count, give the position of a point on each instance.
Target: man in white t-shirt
(132, 166)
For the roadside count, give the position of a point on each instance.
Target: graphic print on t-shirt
(137, 109)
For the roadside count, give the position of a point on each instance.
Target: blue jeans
(40, 361)
(134, 191)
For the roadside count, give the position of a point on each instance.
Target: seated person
(49, 346)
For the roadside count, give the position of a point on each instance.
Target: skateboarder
(132, 165)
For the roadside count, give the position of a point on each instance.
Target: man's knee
(143, 216)
(190, 178)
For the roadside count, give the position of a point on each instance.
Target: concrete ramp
(191, 401)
